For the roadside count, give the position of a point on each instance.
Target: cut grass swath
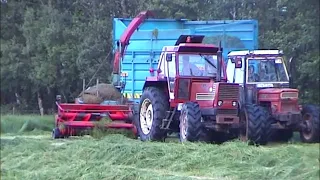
(117, 157)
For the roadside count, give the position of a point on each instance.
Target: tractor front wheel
(310, 117)
(191, 128)
(152, 110)
(256, 129)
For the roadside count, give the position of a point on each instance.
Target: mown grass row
(35, 125)
(118, 157)
(26, 123)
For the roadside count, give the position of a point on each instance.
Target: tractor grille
(204, 96)
(227, 111)
(228, 91)
(288, 107)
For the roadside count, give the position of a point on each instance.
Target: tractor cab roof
(258, 52)
(191, 44)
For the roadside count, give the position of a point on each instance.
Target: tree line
(48, 47)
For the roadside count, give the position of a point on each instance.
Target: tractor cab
(265, 81)
(190, 58)
(191, 70)
(264, 68)
(264, 75)
(198, 65)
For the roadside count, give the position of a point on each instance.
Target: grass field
(28, 152)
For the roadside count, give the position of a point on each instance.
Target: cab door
(170, 73)
(181, 84)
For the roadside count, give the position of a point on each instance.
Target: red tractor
(190, 95)
(265, 80)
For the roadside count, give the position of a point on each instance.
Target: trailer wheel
(191, 128)
(256, 129)
(152, 109)
(310, 116)
(56, 134)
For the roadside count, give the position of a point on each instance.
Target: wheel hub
(146, 116)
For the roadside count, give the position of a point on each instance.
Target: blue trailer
(147, 41)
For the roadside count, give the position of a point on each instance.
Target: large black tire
(256, 122)
(269, 132)
(160, 104)
(191, 128)
(282, 135)
(310, 116)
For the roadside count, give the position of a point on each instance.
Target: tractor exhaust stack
(219, 56)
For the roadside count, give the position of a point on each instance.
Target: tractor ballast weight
(190, 95)
(265, 81)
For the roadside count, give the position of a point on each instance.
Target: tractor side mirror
(58, 98)
(169, 57)
(290, 65)
(238, 62)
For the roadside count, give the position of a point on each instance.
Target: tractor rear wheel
(191, 128)
(310, 116)
(152, 110)
(254, 118)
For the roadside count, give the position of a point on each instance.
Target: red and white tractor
(264, 80)
(190, 95)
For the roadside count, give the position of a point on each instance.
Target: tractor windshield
(198, 65)
(266, 70)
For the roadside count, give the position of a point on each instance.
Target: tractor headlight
(234, 103)
(220, 102)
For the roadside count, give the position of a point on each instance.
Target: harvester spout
(124, 40)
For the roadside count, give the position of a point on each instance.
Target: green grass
(117, 157)
(26, 123)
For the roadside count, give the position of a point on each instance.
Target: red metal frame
(85, 116)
